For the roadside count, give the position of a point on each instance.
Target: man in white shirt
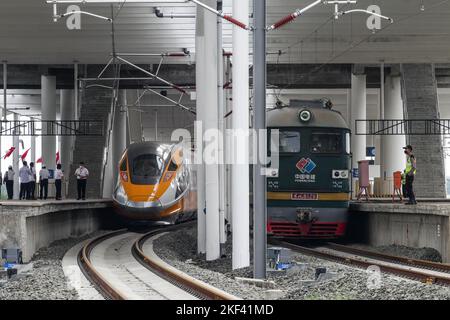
(32, 186)
(82, 175)
(58, 181)
(9, 181)
(43, 182)
(24, 176)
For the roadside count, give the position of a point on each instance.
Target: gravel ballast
(428, 254)
(179, 249)
(45, 279)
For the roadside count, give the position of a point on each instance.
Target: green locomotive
(308, 196)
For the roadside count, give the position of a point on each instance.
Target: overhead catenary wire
(357, 44)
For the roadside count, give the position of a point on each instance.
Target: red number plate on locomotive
(304, 196)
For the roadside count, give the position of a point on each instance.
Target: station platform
(382, 222)
(33, 224)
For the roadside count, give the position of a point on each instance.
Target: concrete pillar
(392, 155)
(240, 119)
(211, 123)
(48, 105)
(33, 149)
(200, 78)
(15, 164)
(358, 112)
(67, 113)
(119, 134)
(421, 102)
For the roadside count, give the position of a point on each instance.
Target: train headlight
(121, 195)
(304, 115)
(340, 174)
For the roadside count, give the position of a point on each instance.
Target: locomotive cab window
(322, 142)
(147, 165)
(289, 141)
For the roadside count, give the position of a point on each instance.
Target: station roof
(29, 35)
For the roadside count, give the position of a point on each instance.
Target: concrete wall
(31, 227)
(421, 102)
(387, 224)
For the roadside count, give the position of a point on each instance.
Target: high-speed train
(155, 184)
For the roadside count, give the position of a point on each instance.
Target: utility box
(363, 171)
(278, 258)
(12, 256)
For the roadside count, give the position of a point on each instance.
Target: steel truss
(51, 128)
(402, 127)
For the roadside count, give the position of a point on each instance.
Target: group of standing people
(28, 178)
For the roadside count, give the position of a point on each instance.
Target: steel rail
(85, 264)
(179, 279)
(434, 266)
(422, 276)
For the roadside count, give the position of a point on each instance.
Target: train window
(347, 143)
(147, 165)
(289, 141)
(123, 165)
(172, 166)
(326, 142)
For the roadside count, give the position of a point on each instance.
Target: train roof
(150, 147)
(321, 116)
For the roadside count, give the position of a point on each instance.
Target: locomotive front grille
(314, 230)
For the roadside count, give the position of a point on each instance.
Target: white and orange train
(155, 183)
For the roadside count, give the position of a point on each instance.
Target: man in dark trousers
(24, 175)
(82, 175)
(410, 172)
(9, 181)
(43, 182)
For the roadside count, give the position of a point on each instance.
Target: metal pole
(259, 178)
(382, 90)
(5, 85)
(221, 114)
(75, 88)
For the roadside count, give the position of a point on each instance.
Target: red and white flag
(39, 160)
(25, 154)
(57, 157)
(9, 152)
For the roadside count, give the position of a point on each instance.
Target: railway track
(122, 265)
(424, 271)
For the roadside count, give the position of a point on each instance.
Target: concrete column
(211, 123)
(48, 105)
(15, 164)
(119, 134)
(421, 102)
(200, 78)
(67, 113)
(240, 118)
(392, 156)
(358, 112)
(33, 149)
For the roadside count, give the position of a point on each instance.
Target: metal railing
(51, 128)
(403, 127)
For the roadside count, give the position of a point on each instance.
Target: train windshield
(325, 142)
(289, 141)
(147, 169)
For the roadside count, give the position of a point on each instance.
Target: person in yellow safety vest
(410, 172)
